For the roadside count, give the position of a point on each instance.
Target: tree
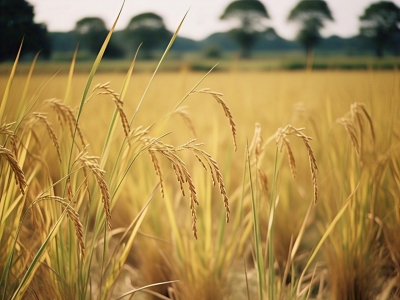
(91, 33)
(380, 23)
(311, 14)
(250, 14)
(16, 24)
(149, 30)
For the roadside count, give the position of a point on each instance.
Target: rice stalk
(358, 110)
(5, 129)
(327, 232)
(42, 118)
(72, 214)
(256, 144)
(281, 139)
(118, 102)
(181, 111)
(218, 97)
(6, 94)
(352, 131)
(13, 163)
(182, 174)
(125, 244)
(353, 122)
(257, 150)
(171, 42)
(157, 169)
(67, 97)
(91, 163)
(263, 179)
(66, 117)
(216, 175)
(112, 127)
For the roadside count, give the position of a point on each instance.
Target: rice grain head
(289, 130)
(182, 173)
(91, 163)
(218, 97)
(66, 116)
(43, 118)
(72, 215)
(106, 90)
(18, 173)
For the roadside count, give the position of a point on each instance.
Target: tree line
(379, 24)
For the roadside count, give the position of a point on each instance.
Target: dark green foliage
(16, 23)
(149, 30)
(212, 51)
(311, 16)
(250, 14)
(240, 9)
(91, 32)
(380, 23)
(307, 9)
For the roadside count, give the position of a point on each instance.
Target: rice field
(114, 188)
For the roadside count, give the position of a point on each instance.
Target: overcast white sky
(202, 19)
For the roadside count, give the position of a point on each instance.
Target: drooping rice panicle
(289, 130)
(18, 173)
(73, 215)
(218, 96)
(186, 118)
(49, 127)
(66, 116)
(118, 102)
(352, 131)
(157, 169)
(91, 163)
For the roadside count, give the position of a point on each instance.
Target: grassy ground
(309, 218)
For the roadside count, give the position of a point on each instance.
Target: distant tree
(311, 14)
(380, 23)
(250, 14)
(91, 33)
(149, 30)
(16, 23)
(212, 51)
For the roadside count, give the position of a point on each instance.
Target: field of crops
(107, 185)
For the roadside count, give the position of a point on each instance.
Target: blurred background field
(194, 62)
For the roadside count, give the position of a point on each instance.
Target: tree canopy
(380, 23)
(311, 15)
(250, 14)
(16, 23)
(149, 30)
(91, 33)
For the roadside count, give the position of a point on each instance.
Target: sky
(202, 19)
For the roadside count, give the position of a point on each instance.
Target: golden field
(278, 244)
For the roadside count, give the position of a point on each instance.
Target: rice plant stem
(145, 287)
(8, 86)
(89, 81)
(257, 235)
(270, 234)
(33, 265)
(158, 66)
(193, 88)
(324, 237)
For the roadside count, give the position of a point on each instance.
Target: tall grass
(69, 194)
(308, 218)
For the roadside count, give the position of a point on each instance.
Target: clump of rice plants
(57, 198)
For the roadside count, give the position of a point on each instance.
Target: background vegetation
(252, 37)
